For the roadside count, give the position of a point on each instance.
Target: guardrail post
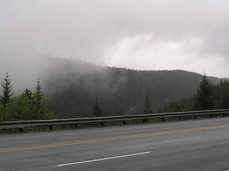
(145, 120)
(195, 116)
(102, 123)
(124, 122)
(21, 129)
(76, 126)
(162, 119)
(50, 127)
(179, 118)
(224, 114)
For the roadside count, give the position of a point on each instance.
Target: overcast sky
(191, 35)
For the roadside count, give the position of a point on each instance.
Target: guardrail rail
(101, 120)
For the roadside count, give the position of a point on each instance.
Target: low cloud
(147, 35)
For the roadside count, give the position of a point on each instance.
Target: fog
(143, 35)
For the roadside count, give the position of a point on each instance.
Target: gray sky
(191, 35)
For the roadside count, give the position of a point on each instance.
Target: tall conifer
(204, 98)
(39, 100)
(96, 108)
(27, 94)
(7, 90)
(147, 105)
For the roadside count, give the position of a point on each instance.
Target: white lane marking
(102, 159)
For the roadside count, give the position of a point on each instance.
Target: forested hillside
(74, 88)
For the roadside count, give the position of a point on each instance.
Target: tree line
(207, 97)
(27, 106)
(34, 105)
(119, 91)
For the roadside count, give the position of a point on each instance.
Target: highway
(194, 145)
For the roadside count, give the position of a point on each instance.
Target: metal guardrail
(124, 118)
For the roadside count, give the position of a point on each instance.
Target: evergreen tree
(204, 98)
(27, 94)
(96, 109)
(222, 94)
(2, 113)
(39, 99)
(7, 90)
(147, 105)
(28, 106)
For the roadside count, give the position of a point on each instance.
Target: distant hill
(73, 86)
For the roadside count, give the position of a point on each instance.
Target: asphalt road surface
(187, 145)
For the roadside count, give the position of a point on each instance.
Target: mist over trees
(73, 88)
(78, 89)
(97, 111)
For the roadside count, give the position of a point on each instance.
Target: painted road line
(103, 159)
(108, 139)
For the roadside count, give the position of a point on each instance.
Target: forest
(207, 97)
(74, 88)
(88, 90)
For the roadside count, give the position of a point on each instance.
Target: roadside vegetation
(27, 106)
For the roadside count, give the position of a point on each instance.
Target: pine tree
(7, 90)
(27, 94)
(222, 92)
(96, 108)
(39, 100)
(147, 105)
(204, 98)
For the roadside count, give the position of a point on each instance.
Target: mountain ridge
(73, 88)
